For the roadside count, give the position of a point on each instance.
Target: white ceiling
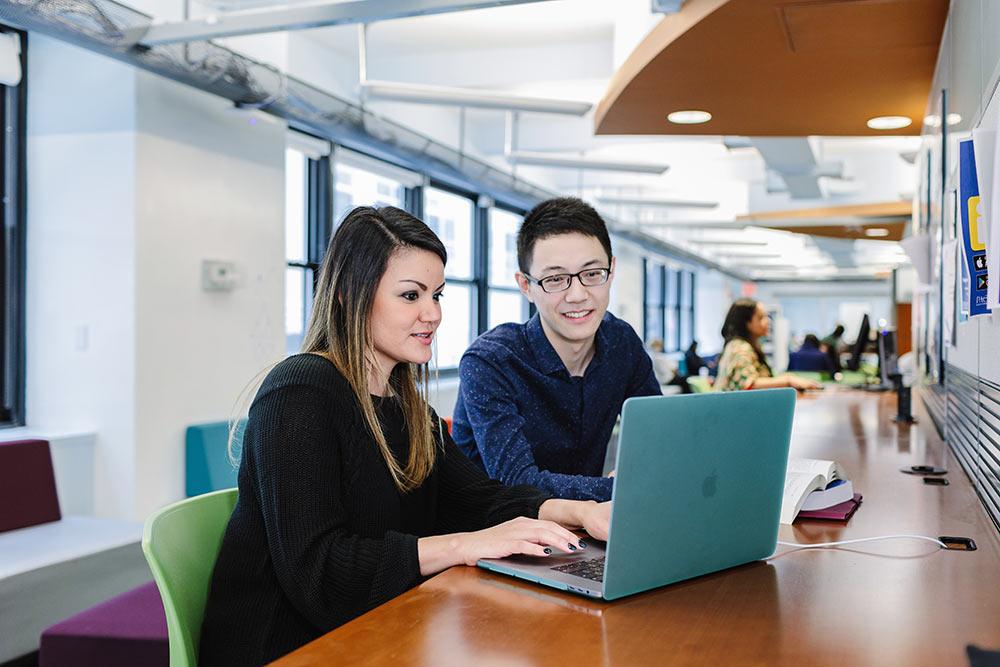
(569, 49)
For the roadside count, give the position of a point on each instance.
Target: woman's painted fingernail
(547, 551)
(572, 548)
(583, 545)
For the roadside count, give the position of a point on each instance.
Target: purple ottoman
(130, 629)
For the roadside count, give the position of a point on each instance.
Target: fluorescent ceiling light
(689, 117)
(934, 120)
(720, 242)
(876, 232)
(889, 122)
(466, 97)
(749, 255)
(656, 202)
(570, 162)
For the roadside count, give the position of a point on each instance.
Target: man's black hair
(562, 215)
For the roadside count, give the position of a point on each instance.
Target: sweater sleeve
(469, 500)
(499, 432)
(329, 574)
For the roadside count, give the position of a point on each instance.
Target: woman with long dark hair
(743, 364)
(351, 491)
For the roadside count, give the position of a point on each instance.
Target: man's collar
(548, 359)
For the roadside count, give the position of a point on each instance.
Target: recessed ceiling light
(932, 120)
(954, 118)
(689, 117)
(876, 232)
(889, 122)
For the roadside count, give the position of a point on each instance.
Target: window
(12, 250)
(505, 303)
(668, 305)
(670, 311)
(451, 217)
(685, 309)
(355, 186)
(480, 239)
(299, 272)
(653, 301)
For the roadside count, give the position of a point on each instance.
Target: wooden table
(884, 603)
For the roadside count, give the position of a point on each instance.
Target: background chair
(52, 566)
(181, 543)
(207, 466)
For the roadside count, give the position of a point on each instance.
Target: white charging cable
(863, 539)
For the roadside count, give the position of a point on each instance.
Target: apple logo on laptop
(708, 486)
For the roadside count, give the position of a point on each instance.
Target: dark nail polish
(572, 548)
(547, 551)
(583, 545)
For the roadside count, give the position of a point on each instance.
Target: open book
(806, 476)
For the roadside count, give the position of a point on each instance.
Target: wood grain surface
(885, 603)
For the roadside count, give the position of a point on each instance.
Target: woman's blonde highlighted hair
(339, 327)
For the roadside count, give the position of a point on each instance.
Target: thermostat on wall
(218, 276)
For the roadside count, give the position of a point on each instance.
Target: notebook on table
(698, 489)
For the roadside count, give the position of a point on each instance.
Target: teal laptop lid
(698, 485)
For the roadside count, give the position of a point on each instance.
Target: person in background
(811, 356)
(537, 401)
(666, 369)
(833, 345)
(743, 365)
(351, 491)
(692, 360)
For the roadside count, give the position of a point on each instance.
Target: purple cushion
(130, 629)
(27, 485)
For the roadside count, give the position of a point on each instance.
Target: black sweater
(320, 533)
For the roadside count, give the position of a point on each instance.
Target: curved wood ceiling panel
(780, 68)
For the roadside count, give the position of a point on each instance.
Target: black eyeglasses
(560, 282)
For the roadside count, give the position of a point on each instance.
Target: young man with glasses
(537, 401)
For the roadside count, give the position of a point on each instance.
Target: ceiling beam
(655, 202)
(301, 17)
(417, 93)
(541, 159)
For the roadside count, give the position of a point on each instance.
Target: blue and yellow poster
(974, 229)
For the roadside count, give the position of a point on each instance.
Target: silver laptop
(697, 489)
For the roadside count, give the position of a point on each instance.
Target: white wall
(81, 161)
(209, 185)
(714, 292)
(128, 192)
(626, 290)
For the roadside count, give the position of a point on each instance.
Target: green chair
(181, 543)
(699, 385)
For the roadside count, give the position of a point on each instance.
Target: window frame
(484, 301)
(671, 304)
(13, 249)
(660, 302)
(479, 243)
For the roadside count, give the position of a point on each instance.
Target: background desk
(885, 603)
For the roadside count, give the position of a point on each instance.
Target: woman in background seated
(742, 365)
(350, 490)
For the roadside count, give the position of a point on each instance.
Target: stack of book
(817, 489)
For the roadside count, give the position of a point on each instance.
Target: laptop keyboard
(592, 569)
